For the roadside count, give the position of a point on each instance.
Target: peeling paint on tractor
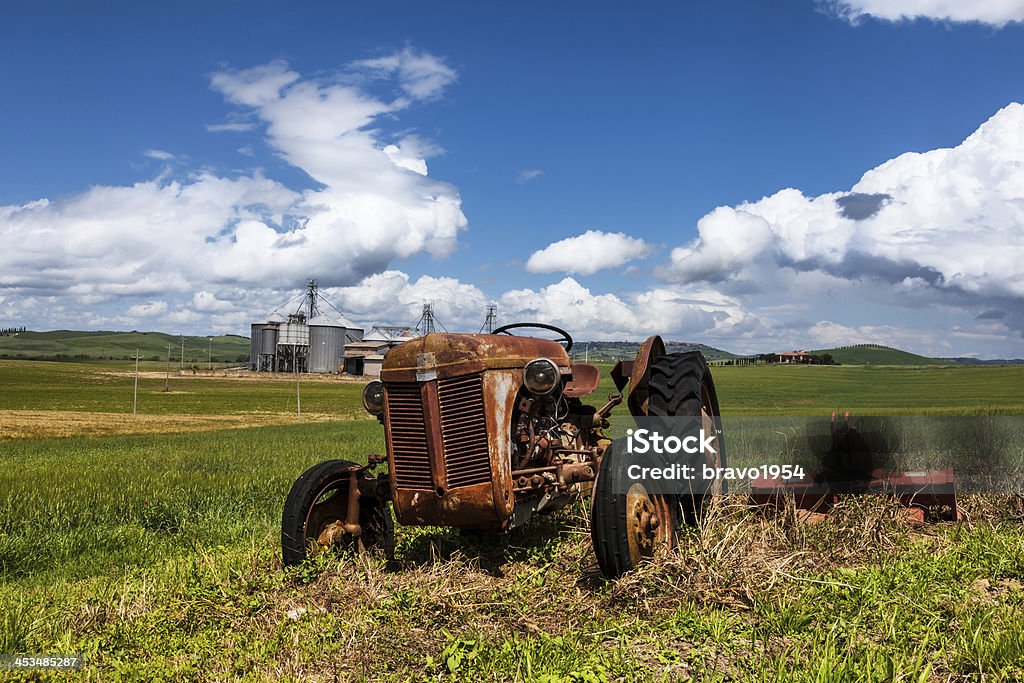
(431, 363)
(503, 387)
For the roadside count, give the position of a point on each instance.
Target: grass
(68, 344)
(157, 557)
(81, 507)
(45, 385)
(875, 354)
(864, 390)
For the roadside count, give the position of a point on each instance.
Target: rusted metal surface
(450, 452)
(448, 417)
(621, 373)
(933, 492)
(450, 355)
(649, 527)
(585, 378)
(640, 376)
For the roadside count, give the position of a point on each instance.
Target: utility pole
(181, 360)
(167, 369)
(135, 397)
(298, 396)
(210, 357)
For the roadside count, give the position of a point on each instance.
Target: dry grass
(240, 375)
(40, 424)
(703, 612)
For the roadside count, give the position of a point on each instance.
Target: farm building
(307, 340)
(365, 356)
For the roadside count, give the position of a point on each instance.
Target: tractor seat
(585, 378)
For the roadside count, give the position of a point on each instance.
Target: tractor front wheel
(681, 386)
(628, 525)
(316, 508)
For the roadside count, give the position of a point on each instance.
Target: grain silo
(326, 343)
(304, 341)
(255, 342)
(268, 344)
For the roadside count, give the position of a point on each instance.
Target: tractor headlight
(373, 397)
(541, 376)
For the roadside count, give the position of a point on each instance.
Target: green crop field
(150, 544)
(67, 344)
(874, 354)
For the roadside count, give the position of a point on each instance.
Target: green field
(875, 354)
(156, 555)
(67, 344)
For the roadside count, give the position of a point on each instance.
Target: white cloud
(153, 308)
(828, 334)
(372, 202)
(257, 86)
(940, 228)
(207, 302)
(230, 127)
(158, 154)
(588, 253)
(529, 174)
(421, 75)
(392, 297)
(994, 12)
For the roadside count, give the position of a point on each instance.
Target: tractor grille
(408, 436)
(464, 431)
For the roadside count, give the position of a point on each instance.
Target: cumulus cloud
(994, 12)
(943, 227)
(369, 200)
(588, 253)
(393, 297)
(828, 334)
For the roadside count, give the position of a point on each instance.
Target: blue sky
(536, 125)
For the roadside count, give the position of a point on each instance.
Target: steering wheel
(504, 329)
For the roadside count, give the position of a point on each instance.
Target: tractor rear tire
(317, 501)
(628, 527)
(681, 386)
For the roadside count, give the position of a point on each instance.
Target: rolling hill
(876, 354)
(68, 344)
(618, 350)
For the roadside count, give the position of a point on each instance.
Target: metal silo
(326, 343)
(255, 345)
(268, 346)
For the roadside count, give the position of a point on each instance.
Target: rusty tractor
(484, 431)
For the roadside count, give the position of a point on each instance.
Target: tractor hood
(440, 355)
